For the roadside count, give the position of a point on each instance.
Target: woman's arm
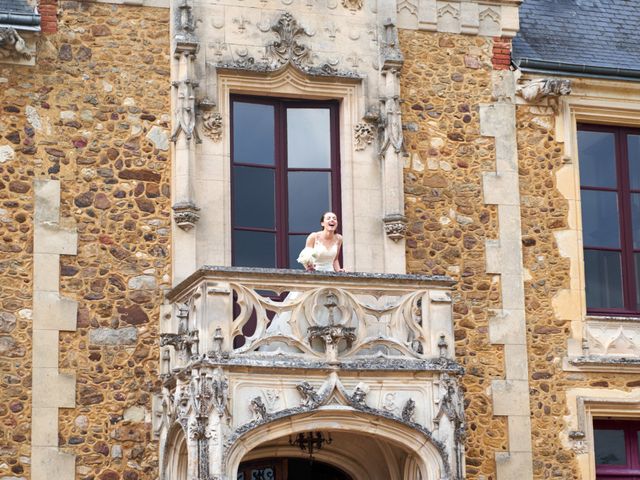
(311, 242)
(336, 261)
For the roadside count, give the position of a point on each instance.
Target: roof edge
(20, 21)
(573, 69)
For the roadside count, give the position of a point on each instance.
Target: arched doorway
(289, 468)
(363, 447)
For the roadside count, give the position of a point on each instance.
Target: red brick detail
(501, 55)
(48, 15)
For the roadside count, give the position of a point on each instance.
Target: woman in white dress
(321, 254)
(322, 250)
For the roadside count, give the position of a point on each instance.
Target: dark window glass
(254, 197)
(254, 249)
(309, 197)
(309, 137)
(600, 219)
(284, 176)
(604, 279)
(616, 449)
(610, 447)
(610, 199)
(253, 133)
(296, 244)
(635, 216)
(596, 151)
(634, 161)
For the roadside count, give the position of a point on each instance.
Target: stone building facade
(136, 342)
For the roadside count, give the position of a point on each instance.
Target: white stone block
(53, 312)
(500, 188)
(46, 272)
(47, 463)
(53, 238)
(510, 397)
(44, 426)
(515, 362)
(45, 348)
(52, 389)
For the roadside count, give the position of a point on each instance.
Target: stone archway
(175, 456)
(365, 446)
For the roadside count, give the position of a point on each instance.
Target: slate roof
(19, 15)
(600, 37)
(15, 6)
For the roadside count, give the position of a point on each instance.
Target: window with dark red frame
(284, 175)
(616, 449)
(610, 196)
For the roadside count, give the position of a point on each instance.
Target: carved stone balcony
(260, 347)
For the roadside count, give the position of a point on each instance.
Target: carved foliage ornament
(536, 90)
(12, 45)
(185, 215)
(286, 48)
(353, 5)
(363, 134)
(212, 124)
(395, 226)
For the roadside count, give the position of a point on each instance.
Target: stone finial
(395, 226)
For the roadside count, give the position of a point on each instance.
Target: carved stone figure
(185, 343)
(359, 396)
(308, 394)
(258, 409)
(536, 90)
(12, 45)
(409, 410)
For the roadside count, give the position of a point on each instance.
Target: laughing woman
(322, 250)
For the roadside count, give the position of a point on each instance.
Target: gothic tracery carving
(287, 47)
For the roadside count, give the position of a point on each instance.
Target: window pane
(253, 197)
(609, 446)
(633, 142)
(637, 265)
(254, 249)
(296, 244)
(604, 279)
(253, 133)
(600, 219)
(309, 198)
(308, 138)
(597, 159)
(635, 216)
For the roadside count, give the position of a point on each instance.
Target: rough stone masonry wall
(445, 78)
(92, 113)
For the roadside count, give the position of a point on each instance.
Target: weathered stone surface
(113, 336)
(6, 153)
(10, 348)
(159, 137)
(133, 315)
(7, 322)
(145, 175)
(142, 282)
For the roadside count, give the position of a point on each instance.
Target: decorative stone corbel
(186, 215)
(12, 45)
(395, 226)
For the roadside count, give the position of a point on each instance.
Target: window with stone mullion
(284, 175)
(610, 199)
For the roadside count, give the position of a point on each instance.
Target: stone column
(391, 151)
(184, 138)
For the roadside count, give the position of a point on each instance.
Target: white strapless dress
(324, 258)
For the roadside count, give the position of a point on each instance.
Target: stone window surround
(596, 102)
(584, 405)
(362, 236)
